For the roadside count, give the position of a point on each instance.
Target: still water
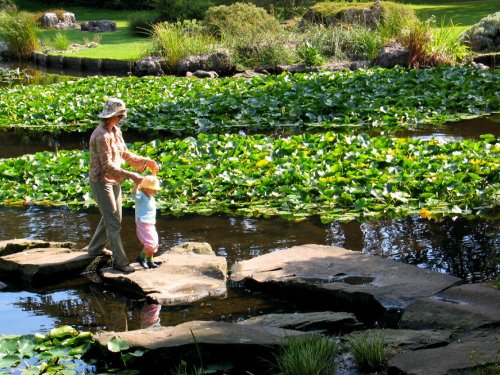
(467, 249)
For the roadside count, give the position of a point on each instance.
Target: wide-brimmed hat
(113, 107)
(150, 182)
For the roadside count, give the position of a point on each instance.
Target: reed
(18, 30)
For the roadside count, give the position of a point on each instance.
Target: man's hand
(153, 167)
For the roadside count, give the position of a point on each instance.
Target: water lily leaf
(9, 361)
(63, 331)
(117, 345)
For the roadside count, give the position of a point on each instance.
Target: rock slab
(354, 276)
(182, 277)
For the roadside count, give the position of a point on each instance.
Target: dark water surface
(467, 249)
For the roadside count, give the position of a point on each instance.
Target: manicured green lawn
(462, 14)
(455, 15)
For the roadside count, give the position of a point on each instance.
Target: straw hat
(113, 107)
(150, 182)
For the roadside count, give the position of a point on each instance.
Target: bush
(60, 42)
(308, 355)
(369, 350)
(240, 18)
(178, 10)
(18, 30)
(7, 5)
(485, 35)
(432, 47)
(309, 54)
(141, 23)
(175, 41)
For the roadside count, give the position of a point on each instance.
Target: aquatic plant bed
(363, 99)
(334, 176)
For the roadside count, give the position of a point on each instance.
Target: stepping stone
(325, 321)
(17, 245)
(344, 280)
(464, 306)
(464, 354)
(182, 277)
(44, 266)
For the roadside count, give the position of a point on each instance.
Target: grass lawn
(455, 15)
(459, 14)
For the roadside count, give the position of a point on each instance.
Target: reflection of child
(150, 315)
(145, 219)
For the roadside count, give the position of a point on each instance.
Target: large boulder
(49, 20)
(98, 26)
(372, 287)
(219, 61)
(148, 66)
(17, 245)
(485, 35)
(393, 54)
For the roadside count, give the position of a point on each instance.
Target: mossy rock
(368, 14)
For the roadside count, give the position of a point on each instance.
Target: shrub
(18, 30)
(240, 18)
(369, 350)
(174, 41)
(260, 49)
(141, 23)
(485, 35)
(310, 55)
(178, 10)
(60, 42)
(7, 5)
(308, 355)
(394, 18)
(430, 46)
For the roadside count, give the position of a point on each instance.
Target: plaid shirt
(107, 153)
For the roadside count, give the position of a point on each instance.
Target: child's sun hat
(150, 182)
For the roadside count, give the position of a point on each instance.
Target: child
(145, 219)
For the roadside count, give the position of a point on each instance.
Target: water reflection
(150, 315)
(467, 249)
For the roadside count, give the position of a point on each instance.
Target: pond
(463, 248)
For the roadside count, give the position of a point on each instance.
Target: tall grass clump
(369, 350)
(308, 355)
(60, 42)
(430, 46)
(175, 41)
(18, 30)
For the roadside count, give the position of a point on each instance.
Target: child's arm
(136, 187)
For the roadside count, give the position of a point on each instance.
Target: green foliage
(369, 349)
(174, 41)
(141, 23)
(310, 55)
(333, 176)
(385, 99)
(238, 19)
(308, 355)
(57, 352)
(8, 5)
(432, 48)
(179, 10)
(485, 35)
(18, 30)
(60, 42)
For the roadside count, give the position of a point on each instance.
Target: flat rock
(44, 266)
(181, 278)
(407, 339)
(463, 306)
(17, 245)
(464, 354)
(342, 279)
(205, 332)
(325, 321)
